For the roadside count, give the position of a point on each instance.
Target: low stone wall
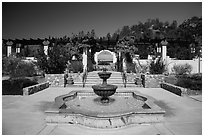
(174, 89)
(57, 80)
(152, 81)
(35, 88)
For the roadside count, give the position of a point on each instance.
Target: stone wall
(170, 62)
(35, 88)
(57, 80)
(152, 81)
(174, 89)
(194, 63)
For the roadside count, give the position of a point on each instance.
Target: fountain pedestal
(104, 90)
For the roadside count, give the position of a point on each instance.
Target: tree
(191, 29)
(93, 34)
(59, 54)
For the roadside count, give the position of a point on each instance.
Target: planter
(152, 81)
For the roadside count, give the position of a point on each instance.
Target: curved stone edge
(94, 122)
(55, 116)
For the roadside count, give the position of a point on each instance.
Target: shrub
(157, 67)
(144, 68)
(90, 66)
(24, 69)
(182, 69)
(193, 82)
(9, 64)
(16, 67)
(131, 67)
(76, 66)
(188, 82)
(15, 86)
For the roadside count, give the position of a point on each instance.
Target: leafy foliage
(15, 86)
(181, 69)
(16, 67)
(131, 67)
(157, 67)
(59, 54)
(76, 66)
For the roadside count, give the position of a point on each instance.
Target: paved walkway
(25, 115)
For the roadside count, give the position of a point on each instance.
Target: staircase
(93, 78)
(115, 79)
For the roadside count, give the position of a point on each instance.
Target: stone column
(164, 50)
(9, 45)
(18, 48)
(96, 57)
(46, 43)
(84, 59)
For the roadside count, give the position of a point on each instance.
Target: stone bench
(174, 89)
(35, 88)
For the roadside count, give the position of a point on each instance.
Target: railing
(84, 77)
(124, 77)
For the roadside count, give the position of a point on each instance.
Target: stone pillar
(124, 65)
(96, 57)
(164, 50)
(114, 58)
(84, 59)
(9, 45)
(46, 43)
(18, 48)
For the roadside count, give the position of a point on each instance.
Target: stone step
(88, 85)
(99, 77)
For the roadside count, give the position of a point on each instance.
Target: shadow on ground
(169, 110)
(43, 106)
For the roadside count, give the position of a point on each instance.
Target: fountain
(104, 90)
(104, 108)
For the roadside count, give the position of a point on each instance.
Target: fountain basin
(104, 74)
(85, 108)
(104, 90)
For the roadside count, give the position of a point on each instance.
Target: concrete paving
(25, 115)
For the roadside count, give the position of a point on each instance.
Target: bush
(157, 67)
(182, 69)
(24, 69)
(90, 66)
(131, 67)
(144, 68)
(76, 66)
(193, 82)
(15, 86)
(16, 67)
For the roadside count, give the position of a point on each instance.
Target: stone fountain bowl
(104, 90)
(104, 74)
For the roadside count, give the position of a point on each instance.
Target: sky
(57, 19)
